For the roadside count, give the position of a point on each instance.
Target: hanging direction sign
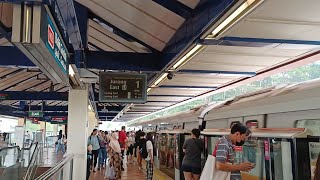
(123, 87)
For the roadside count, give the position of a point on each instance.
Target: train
(282, 113)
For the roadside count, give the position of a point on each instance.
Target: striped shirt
(225, 151)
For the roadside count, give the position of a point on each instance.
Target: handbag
(110, 172)
(210, 172)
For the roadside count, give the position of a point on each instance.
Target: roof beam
(11, 56)
(34, 96)
(104, 60)
(189, 87)
(176, 7)
(222, 73)
(203, 17)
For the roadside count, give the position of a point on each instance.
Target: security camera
(170, 76)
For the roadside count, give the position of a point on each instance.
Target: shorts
(130, 150)
(189, 168)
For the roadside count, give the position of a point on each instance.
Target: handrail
(29, 165)
(9, 147)
(28, 148)
(52, 171)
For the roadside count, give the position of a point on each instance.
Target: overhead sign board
(59, 120)
(123, 87)
(35, 114)
(4, 97)
(43, 43)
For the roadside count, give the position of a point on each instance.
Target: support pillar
(55, 129)
(77, 131)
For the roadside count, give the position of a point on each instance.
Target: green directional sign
(35, 114)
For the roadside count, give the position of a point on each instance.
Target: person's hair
(242, 129)
(317, 169)
(123, 128)
(149, 136)
(127, 133)
(94, 130)
(142, 134)
(196, 132)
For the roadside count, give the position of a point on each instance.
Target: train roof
(262, 95)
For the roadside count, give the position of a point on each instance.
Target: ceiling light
(158, 81)
(71, 71)
(90, 108)
(232, 17)
(187, 56)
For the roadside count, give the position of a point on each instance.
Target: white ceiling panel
(176, 91)
(198, 79)
(290, 10)
(116, 38)
(272, 30)
(158, 12)
(268, 51)
(123, 24)
(154, 104)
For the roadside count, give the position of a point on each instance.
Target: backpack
(143, 149)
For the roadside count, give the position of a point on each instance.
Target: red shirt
(122, 137)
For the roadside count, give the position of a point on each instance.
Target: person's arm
(184, 146)
(222, 164)
(150, 150)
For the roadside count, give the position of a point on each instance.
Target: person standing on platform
(61, 144)
(225, 153)
(140, 145)
(136, 142)
(103, 150)
(94, 141)
(149, 159)
(114, 153)
(122, 142)
(191, 163)
(129, 145)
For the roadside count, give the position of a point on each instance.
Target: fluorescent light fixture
(71, 71)
(232, 17)
(149, 89)
(186, 57)
(236, 75)
(158, 81)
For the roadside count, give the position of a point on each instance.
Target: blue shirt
(94, 141)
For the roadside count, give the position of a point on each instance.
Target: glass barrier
(10, 163)
(33, 164)
(272, 157)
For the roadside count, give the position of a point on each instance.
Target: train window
(252, 124)
(234, 122)
(312, 124)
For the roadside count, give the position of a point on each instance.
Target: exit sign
(35, 114)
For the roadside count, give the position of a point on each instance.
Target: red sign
(50, 36)
(266, 150)
(238, 148)
(35, 121)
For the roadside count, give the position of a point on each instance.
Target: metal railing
(9, 156)
(61, 171)
(33, 163)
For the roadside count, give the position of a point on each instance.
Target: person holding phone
(225, 153)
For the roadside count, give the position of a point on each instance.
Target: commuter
(140, 145)
(225, 153)
(61, 145)
(191, 164)
(89, 159)
(28, 138)
(94, 141)
(129, 145)
(136, 142)
(317, 169)
(114, 152)
(122, 142)
(149, 159)
(102, 150)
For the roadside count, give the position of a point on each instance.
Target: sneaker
(122, 169)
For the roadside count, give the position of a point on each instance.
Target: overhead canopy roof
(153, 36)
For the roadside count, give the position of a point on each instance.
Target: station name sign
(37, 35)
(123, 87)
